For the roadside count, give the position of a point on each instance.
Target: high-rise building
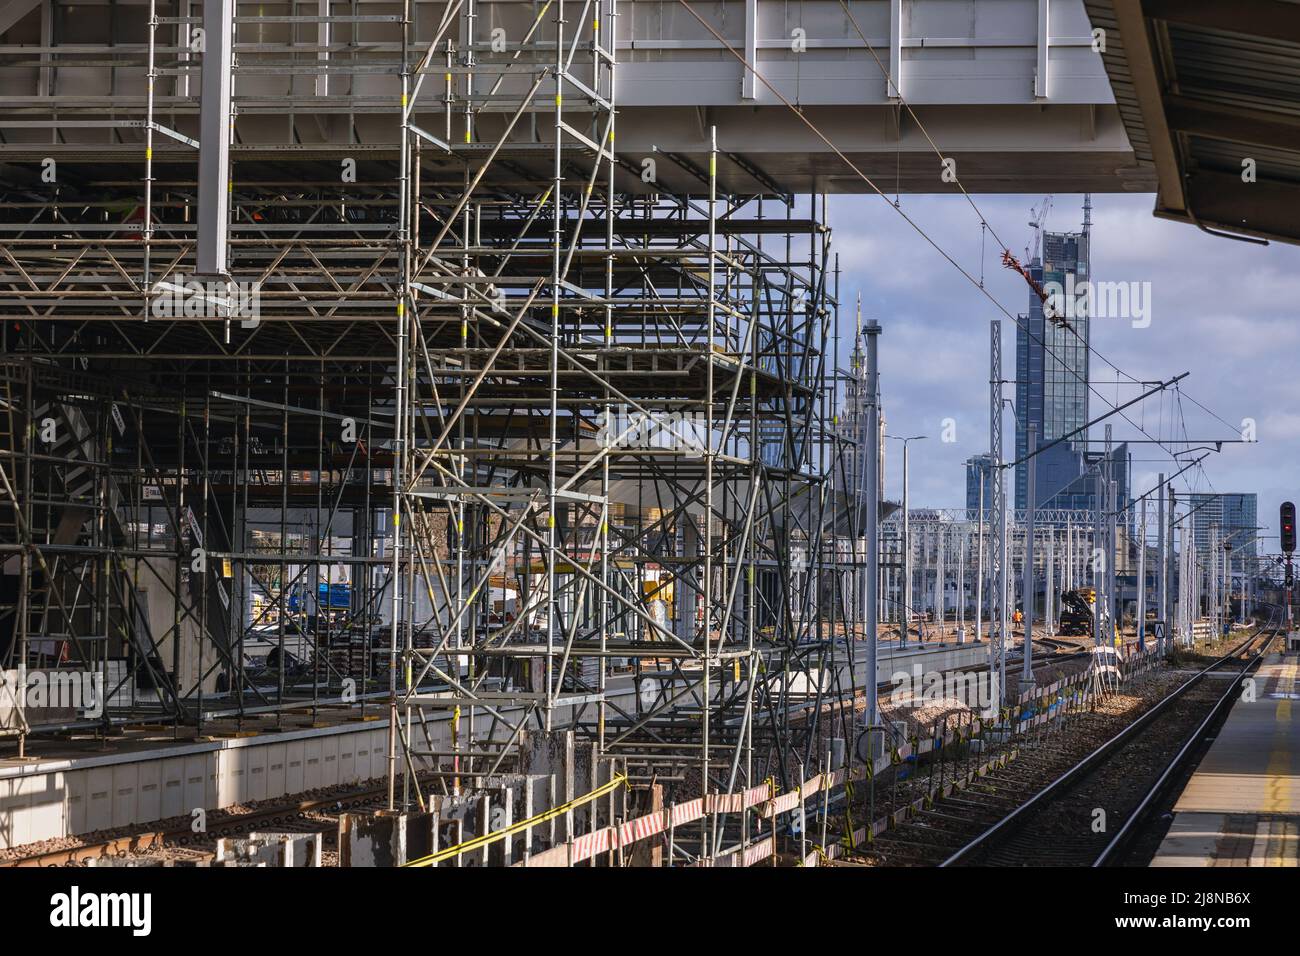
(1052, 368)
(979, 475)
(1052, 371)
(1234, 514)
(1079, 493)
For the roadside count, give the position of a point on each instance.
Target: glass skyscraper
(1052, 366)
(1235, 514)
(1080, 493)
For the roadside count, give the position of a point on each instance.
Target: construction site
(432, 434)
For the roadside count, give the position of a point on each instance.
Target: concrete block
(289, 850)
(125, 782)
(462, 818)
(172, 800)
(385, 839)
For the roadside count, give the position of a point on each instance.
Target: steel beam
(215, 122)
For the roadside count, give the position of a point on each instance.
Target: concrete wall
(43, 799)
(59, 798)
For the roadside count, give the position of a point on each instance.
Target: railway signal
(1287, 524)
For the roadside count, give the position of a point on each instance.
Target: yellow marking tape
(479, 842)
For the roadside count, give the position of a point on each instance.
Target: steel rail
(184, 836)
(1127, 831)
(1007, 823)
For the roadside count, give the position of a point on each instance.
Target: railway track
(289, 815)
(294, 815)
(1041, 808)
(1072, 821)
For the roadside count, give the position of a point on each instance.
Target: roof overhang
(1209, 93)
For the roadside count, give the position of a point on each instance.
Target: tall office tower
(1235, 514)
(1052, 366)
(1227, 518)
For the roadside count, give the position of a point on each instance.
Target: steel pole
(1112, 546)
(907, 556)
(1098, 554)
(940, 572)
(1049, 592)
(1027, 578)
(998, 575)
(979, 571)
(1142, 579)
(870, 496)
(212, 258)
(1162, 572)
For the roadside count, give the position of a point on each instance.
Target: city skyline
(1198, 324)
(1051, 368)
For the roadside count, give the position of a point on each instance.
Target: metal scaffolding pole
(412, 419)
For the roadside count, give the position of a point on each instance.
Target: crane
(1037, 221)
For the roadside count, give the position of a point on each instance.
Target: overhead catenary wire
(896, 88)
(911, 222)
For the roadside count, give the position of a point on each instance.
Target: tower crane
(1038, 221)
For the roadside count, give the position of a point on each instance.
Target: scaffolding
(482, 429)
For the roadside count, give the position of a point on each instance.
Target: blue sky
(1224, 311)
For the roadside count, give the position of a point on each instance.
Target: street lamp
(906, 612)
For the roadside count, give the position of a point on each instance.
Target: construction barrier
(480, 842)
(1031, 709)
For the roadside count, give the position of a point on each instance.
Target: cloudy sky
(1222, 310)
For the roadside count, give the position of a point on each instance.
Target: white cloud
(1224, 311)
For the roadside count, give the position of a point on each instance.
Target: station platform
(1242, 806)
(76, 785)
